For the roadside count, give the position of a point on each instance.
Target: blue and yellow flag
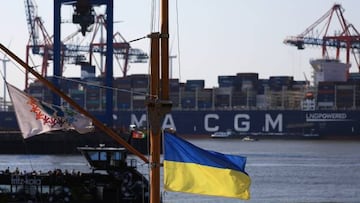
(188, 168)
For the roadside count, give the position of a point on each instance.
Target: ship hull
(259, 124)
(285, 123)
(248, 122)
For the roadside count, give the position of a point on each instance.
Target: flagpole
(95, 121)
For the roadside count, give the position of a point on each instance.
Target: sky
(208, 37)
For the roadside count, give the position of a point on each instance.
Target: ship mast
(158, 104)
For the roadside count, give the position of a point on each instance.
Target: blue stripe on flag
(179, 150)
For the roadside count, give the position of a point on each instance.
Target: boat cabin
(106, 158)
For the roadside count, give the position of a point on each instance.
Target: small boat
(113, 179)
(248, 139)
(220, 134)
(311, 135)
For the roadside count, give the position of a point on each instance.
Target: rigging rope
(103, 86)
(178, 38)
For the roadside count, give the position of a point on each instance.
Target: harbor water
(281, 170)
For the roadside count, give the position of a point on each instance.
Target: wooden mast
(155, 117)
(158, 104)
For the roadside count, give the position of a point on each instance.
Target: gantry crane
(347, 37)
(41, 43)
(35, 44)
(60, 51)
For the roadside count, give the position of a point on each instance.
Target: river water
(281, 170)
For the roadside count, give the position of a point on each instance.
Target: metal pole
(57, 49)
(5, 60)
(109, 62)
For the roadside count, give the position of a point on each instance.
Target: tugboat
(113, 179)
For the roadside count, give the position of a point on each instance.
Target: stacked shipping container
(244, 90)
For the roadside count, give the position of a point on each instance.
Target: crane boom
(347, 37)
(31, 14)
(326, 41)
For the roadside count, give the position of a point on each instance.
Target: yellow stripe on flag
(201, 179)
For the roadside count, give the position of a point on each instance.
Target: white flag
(35, 117)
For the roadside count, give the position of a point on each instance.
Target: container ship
(243, 103)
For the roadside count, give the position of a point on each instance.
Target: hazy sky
(216, 37)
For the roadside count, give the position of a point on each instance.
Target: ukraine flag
(188, 168)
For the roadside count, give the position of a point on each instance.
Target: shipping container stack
(77, 94)
(87, 96)
(300, 89)
(354, 78)
(344, 95)
(122, 94)
(338, 95)
(36, 89)
(277, 83)
(245, 90)
(40, 92)
(74, 90)
(223, 94)
(189, 93)
(294, 98)
(204, 98)
(187, 99)
(261, 98)
(223, 97)
(140, 87)
(285, 93)
(226, 80)
(174, 89)
(93, 94)
(357, 94)
(240, 91)
(326, 95)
